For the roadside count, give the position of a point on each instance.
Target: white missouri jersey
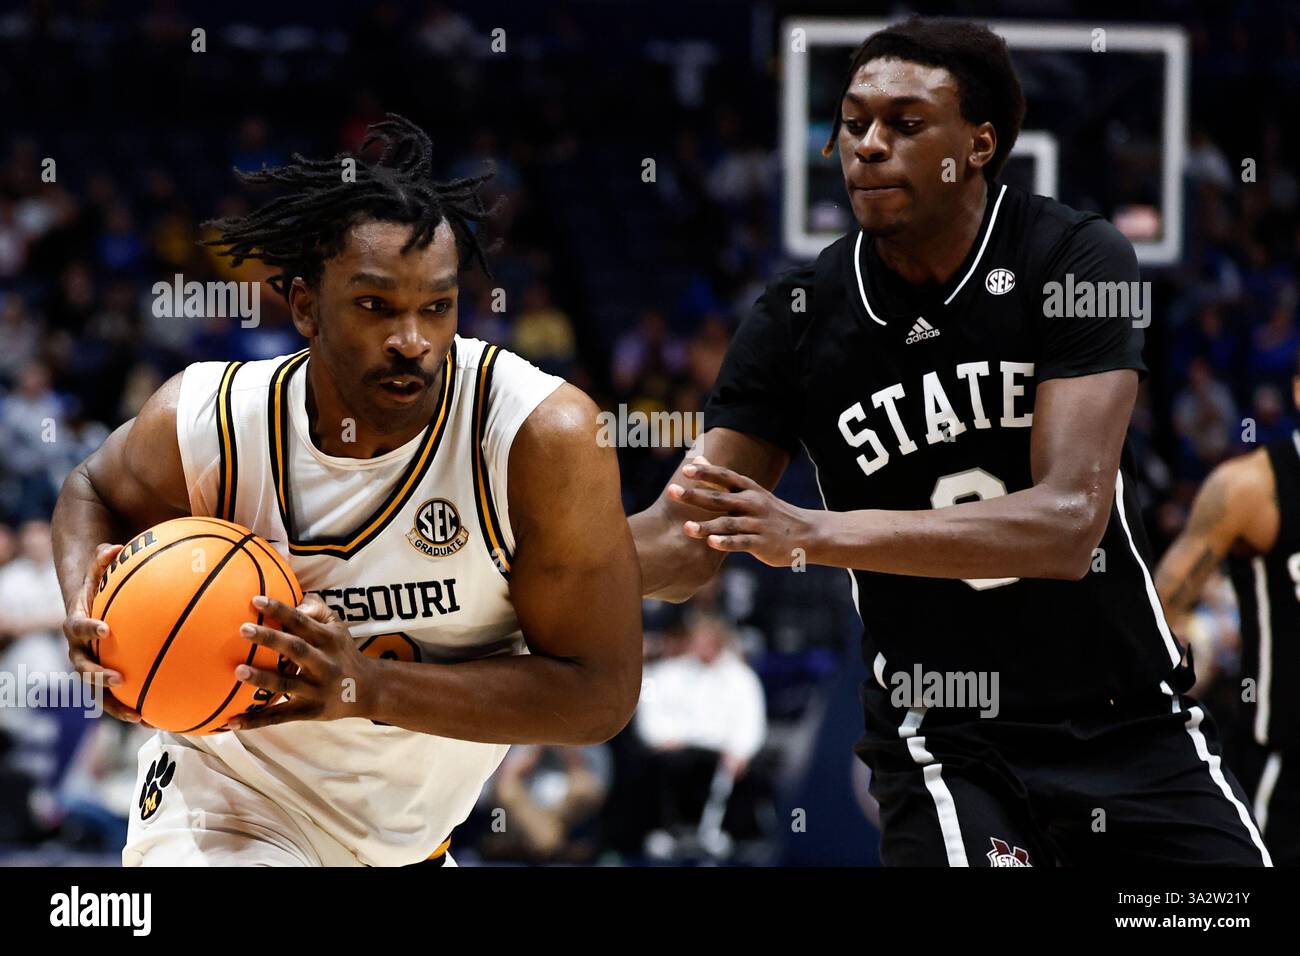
(412, 549)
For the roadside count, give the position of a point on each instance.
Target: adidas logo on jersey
(921, 329)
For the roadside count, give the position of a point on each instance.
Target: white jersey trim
(988, 231)
(1264, 616)
(1171, 645)
(932, 774)
(1212, 761)
(1264, 794)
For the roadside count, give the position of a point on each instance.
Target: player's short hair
(977, 58)
(295, 233)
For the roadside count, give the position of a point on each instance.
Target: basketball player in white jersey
(469, 574)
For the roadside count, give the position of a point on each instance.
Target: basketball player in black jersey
(1248, 512)
(968, 430)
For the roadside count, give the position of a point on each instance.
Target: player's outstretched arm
(575, 586)
(1233, 507)
(673, 565)
(134, 480)
(1048, 530)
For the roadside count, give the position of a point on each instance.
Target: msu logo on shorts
(1004, 855)
(438, 529)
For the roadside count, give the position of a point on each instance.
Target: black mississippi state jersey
(909, 397)
(1268, 595)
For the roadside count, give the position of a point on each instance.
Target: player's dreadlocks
(296, 233)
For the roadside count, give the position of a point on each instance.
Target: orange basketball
(174, 600)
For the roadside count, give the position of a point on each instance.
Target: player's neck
(923, 255)
(337, 432)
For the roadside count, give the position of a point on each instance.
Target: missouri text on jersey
(405, 601)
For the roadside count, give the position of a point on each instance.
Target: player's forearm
(516, 699)
(1180, 577)
(1035, 533)
(673, 566)
(81, 522)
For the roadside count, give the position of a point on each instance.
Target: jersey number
(1293, 567)
(974, 484)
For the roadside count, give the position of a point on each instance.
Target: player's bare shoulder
(567, 415)
(1243, 491)
(561, 435)
(559, 466)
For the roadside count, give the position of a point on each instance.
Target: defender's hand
(332, 678)
(755, 520)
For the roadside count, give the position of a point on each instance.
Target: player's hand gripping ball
(174, 599)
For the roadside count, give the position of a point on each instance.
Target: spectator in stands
(549, 794)
(543, 333)
(1209, 337)
(253, 147)
(1205, 417)
(8, 549)
(13, 243)
(20, 336)
(121, 247)
(31, 418)
(38, 740)
(98, 791)
(648, 350)
(703, 718)
(447, 33)
(1273, 346)
(31, 603)
(1268, 409)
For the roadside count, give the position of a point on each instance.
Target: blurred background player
(1248, 513)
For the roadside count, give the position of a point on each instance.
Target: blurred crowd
(628, 288)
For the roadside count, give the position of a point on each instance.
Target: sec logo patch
(438, 530)
(999, 281)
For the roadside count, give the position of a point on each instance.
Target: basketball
(174, 599)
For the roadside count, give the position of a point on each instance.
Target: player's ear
(984, 143)
(302, 306)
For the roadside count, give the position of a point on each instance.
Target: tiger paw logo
(160, 774)
(1003, 854)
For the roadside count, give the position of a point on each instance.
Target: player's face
(386, 320)
(900, 122)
